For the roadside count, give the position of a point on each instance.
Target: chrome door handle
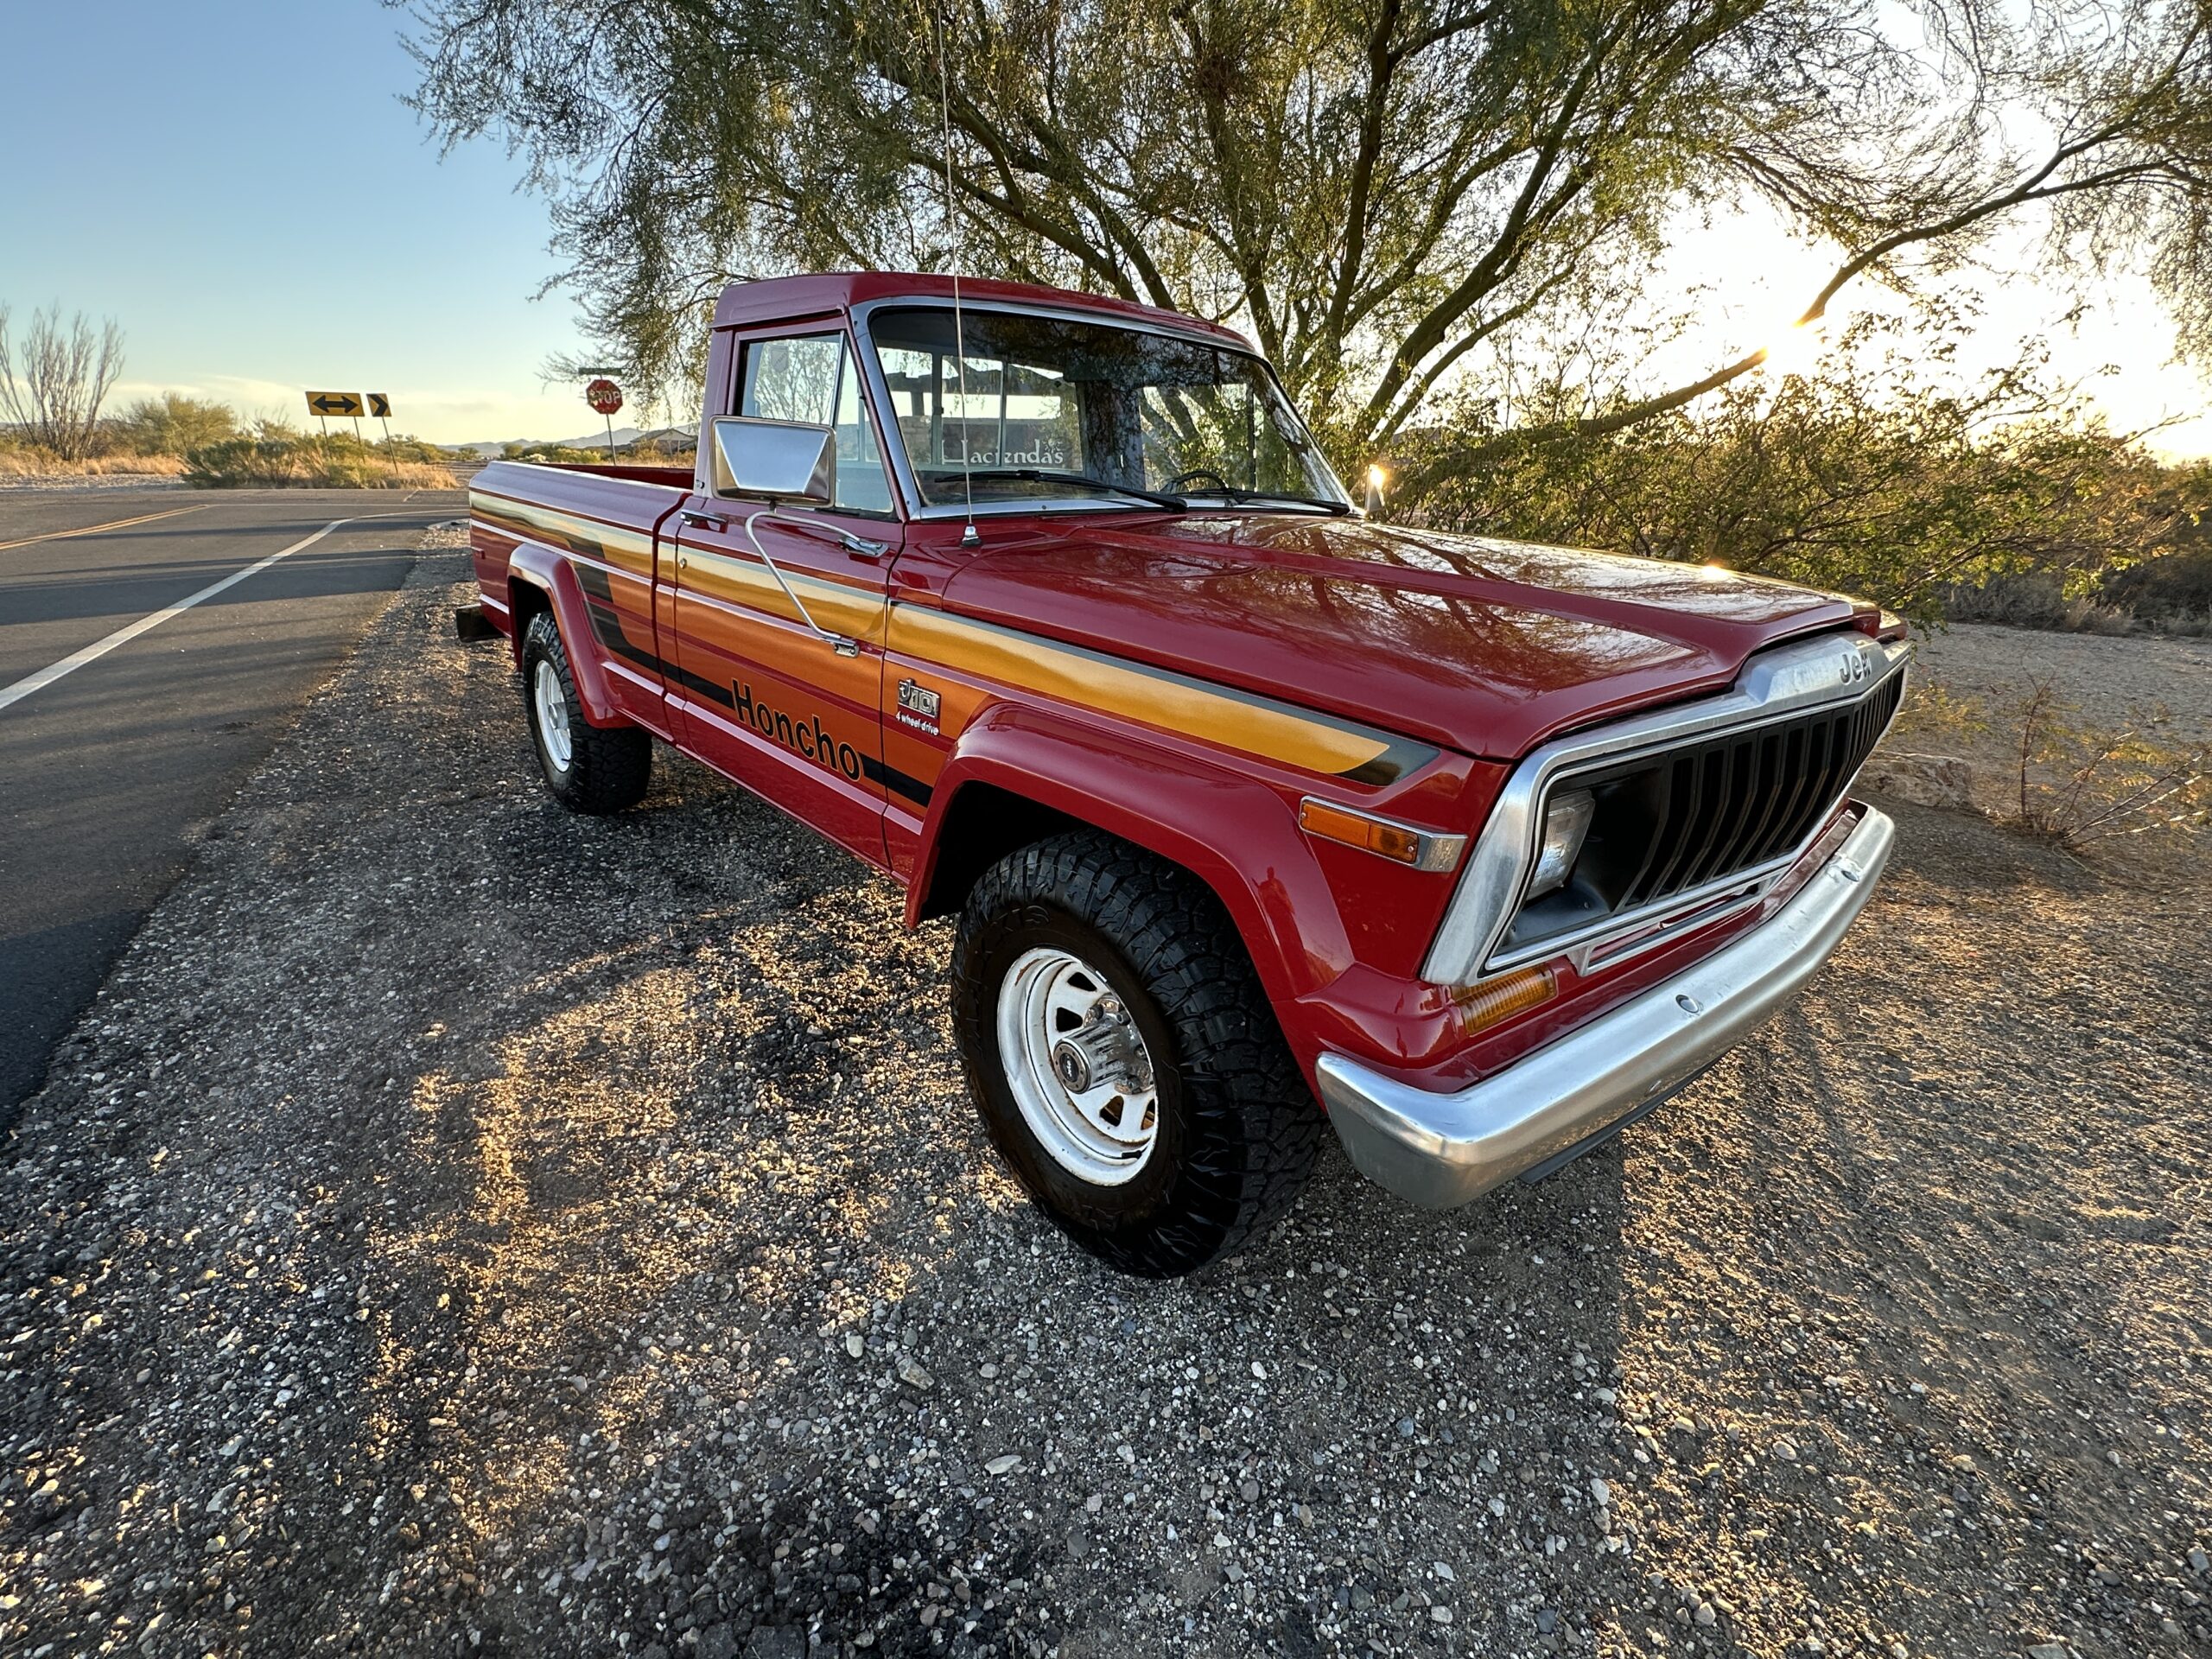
(701, 520)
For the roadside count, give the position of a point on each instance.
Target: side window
(813, 379)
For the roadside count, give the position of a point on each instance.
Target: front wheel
(588, 768)
(1124, 1056)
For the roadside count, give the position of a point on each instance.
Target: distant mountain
(626, 437)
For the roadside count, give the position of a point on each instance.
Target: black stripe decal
(710, 690)
(599, 600)
(896, 781)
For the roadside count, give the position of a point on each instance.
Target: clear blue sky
(238, 184)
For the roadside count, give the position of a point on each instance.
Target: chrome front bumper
(1443, 1149)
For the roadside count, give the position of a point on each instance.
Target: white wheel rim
(552, 714)
(1079, 1068)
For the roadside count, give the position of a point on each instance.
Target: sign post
(380, 406)
(605, 397)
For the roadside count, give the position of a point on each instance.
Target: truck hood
(1487, 647)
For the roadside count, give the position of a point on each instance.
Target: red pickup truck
(1251, 810)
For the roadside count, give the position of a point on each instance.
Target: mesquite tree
(53, 384)
(1380, 191)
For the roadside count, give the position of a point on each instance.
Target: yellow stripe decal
(855, 612)
(1155, 697)
(569, 530)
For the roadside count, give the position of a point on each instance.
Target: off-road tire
(608, 765)
(1238, 1127)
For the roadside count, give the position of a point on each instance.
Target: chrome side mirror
(782, 461)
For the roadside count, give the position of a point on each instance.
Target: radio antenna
(967, 536)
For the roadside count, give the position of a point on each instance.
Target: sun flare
(1797, 348)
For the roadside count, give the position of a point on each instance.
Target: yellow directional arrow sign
(333, 403)
(380, 405)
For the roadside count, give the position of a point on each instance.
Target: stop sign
(603, 396)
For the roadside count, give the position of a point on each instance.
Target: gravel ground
(464, 1227)
(91, 483)
(2108, 678)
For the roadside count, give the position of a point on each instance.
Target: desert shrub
(1862, 475)
(2036, 598)
(2078, 786)
(54, 377)
(171, 424)
(2171, 592)
(558, 454)
(1933, 712)
(410, 449)
(274, 457)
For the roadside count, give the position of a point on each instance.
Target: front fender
(554, 576)
(1237, 833)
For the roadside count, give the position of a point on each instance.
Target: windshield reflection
(1029, 407)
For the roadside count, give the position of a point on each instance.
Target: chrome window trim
(746, 335)
(1007, 507)
(1787, 680)
(901, 466)
(867, 308)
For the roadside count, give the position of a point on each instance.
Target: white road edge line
(124, 636)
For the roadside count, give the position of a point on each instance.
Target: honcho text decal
(802, 734)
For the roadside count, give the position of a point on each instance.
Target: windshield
(1049, 407)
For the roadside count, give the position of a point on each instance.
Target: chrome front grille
(1693, 805)
(1735, 802)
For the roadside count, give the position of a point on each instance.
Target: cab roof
(791, 299)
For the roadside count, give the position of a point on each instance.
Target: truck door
(763, 696)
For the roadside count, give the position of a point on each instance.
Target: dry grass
(295, 463)
(38, 463)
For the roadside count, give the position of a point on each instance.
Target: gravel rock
(1943, 780)
(546, 1166)
(912, 1374)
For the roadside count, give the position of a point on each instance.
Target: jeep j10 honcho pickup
(1251, 810)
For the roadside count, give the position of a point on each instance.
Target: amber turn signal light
(1397, 842)
(1486, 1005)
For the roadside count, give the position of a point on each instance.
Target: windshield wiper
(1084, 480)
(1231, 492)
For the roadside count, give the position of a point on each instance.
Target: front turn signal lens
(1497, 1000)
(1400, 842)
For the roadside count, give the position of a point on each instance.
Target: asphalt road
(106, 773)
